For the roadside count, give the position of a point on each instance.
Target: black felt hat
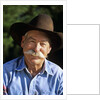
(42, 23)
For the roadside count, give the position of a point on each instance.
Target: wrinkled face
(39, 43)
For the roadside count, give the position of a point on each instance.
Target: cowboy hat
(41, 22)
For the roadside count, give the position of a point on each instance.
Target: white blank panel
(83, 97)
(83, 59)
(83, 11)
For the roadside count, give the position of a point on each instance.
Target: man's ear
(22, 41)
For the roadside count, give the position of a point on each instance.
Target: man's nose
(37, 47)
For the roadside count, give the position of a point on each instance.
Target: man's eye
(32, 41)
(43, 44)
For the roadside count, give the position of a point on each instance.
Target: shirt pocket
(13, 90)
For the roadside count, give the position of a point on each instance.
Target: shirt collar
(21, 64)
(46, 67)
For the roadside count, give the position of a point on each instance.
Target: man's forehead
(37, 35)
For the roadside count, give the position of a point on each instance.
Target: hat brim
(17, 30)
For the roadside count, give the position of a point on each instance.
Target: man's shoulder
(54, 67)
(12, 63)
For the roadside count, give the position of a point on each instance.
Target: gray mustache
(33, 53)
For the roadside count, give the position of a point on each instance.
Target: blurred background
(24, 13)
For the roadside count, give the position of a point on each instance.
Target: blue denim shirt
(18, 81)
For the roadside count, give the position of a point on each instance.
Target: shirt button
(35, 93)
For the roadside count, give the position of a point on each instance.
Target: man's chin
(37, 61)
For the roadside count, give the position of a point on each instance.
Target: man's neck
(34, 69)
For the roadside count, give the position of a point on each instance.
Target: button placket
(32, 88)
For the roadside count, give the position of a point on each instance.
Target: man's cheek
(44, 52)
(28, 46)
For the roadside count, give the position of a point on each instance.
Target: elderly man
(33, 74)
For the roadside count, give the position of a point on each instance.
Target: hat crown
(42, 21)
